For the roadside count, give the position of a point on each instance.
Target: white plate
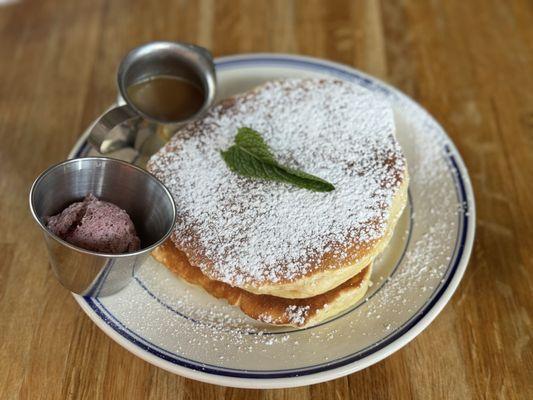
(183, 330)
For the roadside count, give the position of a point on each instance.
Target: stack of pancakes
(282, 254)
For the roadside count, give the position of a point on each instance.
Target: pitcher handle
(99, 134)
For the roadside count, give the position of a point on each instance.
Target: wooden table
(470, 63)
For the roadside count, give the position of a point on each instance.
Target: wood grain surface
(469, 62)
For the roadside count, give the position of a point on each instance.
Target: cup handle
(99, 135)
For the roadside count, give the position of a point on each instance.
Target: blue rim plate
(157, 317)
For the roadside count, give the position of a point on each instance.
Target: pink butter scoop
(95, 225)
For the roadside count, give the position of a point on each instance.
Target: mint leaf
(250, 156)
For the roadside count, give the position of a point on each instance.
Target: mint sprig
(250, 156)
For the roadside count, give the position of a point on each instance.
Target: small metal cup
(171, 59)
(145, 199)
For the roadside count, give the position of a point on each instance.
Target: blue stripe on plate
(463, 216)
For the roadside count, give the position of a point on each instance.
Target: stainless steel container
(172, 59)
(145, 199)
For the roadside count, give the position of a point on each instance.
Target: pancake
(273, 238)
(272, 310)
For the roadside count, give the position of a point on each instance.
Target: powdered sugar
(297, 314)
(240, 230)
